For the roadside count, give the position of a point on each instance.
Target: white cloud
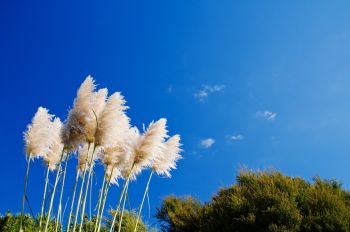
(207, 143)
(268, 115)
(169, 89)
(236, 137)
(203, 94)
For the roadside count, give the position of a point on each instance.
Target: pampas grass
(150, 145)
(112, 158)
(84, 154)
(97, 128)
(52, 158)
(37, 137)
(113, 124)
(111, 135)
(144, 150)
(81, 123)
(56, 146)
(168, 158)
(38, 143)
(81, 127)
(162, 165)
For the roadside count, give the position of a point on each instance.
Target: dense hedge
(263, 201)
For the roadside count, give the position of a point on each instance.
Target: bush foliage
(11, 223)
(262, 201)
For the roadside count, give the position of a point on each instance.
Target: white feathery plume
(81, 123)
(151, 143)
(37, 137)
(113, 124)
(115, 158)
(97, 106)
(171, 154)
(99, 102)
(148, 147)
(113, 174)
(53, 157)
(132, 141)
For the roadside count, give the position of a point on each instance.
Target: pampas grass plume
(53, 157)
(37, 136)
(171, 154)
(81, 123)
(147, 147)
(113, 124)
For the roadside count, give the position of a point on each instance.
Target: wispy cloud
(207, 143)
(169, 89)
(204, 93)
(268, 115)
(237, 137)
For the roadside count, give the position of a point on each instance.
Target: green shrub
(11, 223)
(262, 201)
(128, 223)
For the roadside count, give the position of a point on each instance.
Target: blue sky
(246, 83)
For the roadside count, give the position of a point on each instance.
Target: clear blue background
(289, 58)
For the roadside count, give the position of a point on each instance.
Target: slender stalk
(104, 199)
(103, 207)
(24, 193)
(80, 193)
(86, 190)
(122, 213)
(72, 205)
(54, 190)
(143, 199)
(99, 204)
(44, 198)
(92, 178)
(119, 202)
(100, 215)
(59, 212)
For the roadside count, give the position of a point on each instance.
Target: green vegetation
(263, 201)
(128, 222)
(11, 223)
(258, 201)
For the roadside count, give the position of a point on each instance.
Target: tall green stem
(54, 190)
(80, 193)
(104, 199)
(103, 207)
(86, 190)
(59, 211)
(100, 199)
(72, 204)
(143, 199)
(24, 193)
(119, 202)
(92, 178)
(122, 213)
(44, 198)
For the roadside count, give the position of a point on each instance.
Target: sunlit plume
(81, 123)
(113, 124)
(147, 147)
(53, 157)
(37, 137)
(170, 155)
